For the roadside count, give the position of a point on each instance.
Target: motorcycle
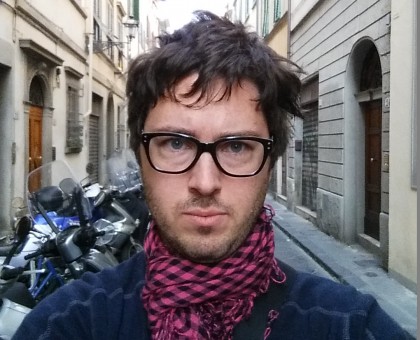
(15, 299)
(56, 199)
(119, 207)
(52, 246)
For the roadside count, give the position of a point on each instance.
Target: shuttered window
(74, 126)
(277, 10)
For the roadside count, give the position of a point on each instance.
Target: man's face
(203, 214)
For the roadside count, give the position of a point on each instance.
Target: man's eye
(176, 143)
(236, 147)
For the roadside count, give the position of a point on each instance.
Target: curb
(325, 249)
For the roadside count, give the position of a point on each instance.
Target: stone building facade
(62, 85)
(342, 171)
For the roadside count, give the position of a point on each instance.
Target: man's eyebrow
(239, 133)
(172, 129)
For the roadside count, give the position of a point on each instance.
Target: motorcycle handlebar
(46, 248)
(11, 273)
(86, 237)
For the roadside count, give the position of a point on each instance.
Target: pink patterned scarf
(186, 300)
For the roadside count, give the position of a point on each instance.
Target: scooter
(119, 207)
(63, 253)
(56, 199)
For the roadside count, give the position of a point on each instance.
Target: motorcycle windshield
(123, 171)
(53, 195)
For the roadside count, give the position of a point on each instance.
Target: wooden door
(373, 161)
(35, 145)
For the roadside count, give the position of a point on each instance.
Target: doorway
(35, 144)
(35, 156)
(373, 160)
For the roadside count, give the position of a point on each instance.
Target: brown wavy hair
(215, 48)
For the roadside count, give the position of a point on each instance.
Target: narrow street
(289, 252)
(305, 247)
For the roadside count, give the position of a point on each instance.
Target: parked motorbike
(15, 299)
(21, 287)
(53, 245)
(119, 207)
(55, 198)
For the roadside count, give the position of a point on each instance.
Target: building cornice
(31, 47)
(50, 29)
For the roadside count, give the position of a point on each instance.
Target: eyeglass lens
(175, 153)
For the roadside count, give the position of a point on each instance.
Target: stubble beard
(205, 252)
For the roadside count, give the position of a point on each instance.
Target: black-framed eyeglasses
(175, 153)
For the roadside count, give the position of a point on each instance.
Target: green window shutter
(277, 10)
(136, 10)
(265, 19)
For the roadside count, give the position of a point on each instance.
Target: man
(208, 116)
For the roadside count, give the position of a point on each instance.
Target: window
(277, 10)
(96, 31)
(120, 29)
(97, 9)
(74, 129)
(246, 9)
(265, 19)
(110, 19)
(110, 48)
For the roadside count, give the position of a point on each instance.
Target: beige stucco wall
(277, 40)
(402, 197)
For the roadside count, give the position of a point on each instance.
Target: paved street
(289, 252)
(302, 245)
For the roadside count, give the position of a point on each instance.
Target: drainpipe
(90, 59)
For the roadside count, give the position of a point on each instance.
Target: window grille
(74, 133)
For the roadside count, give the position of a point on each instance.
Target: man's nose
(205, 175)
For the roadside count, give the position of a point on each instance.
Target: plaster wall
(322, 43)
(403, 197)
(66, 16)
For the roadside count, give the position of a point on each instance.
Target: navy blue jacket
(107, 305)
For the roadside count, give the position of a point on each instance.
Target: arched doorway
(35, 156)
(371, 81)
(365, 135)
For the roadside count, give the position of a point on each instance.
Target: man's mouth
(205, 217)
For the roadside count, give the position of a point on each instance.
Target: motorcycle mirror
(90, 168)
(23, 228)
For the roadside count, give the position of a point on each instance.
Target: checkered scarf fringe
(186, 300)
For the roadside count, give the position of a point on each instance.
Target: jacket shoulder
(97, 306)
(320, 308)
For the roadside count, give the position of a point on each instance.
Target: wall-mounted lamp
(57, 76)
(131, 24)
